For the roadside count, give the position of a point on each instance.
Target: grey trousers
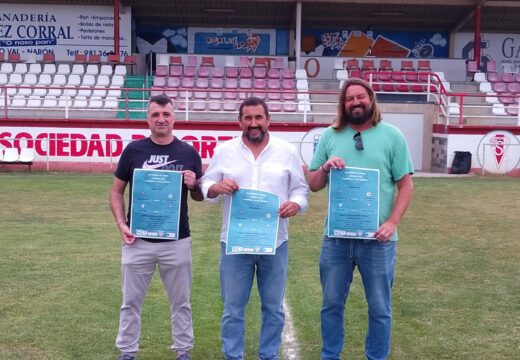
(138, 264)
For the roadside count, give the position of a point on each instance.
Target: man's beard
(258, 139)
(358, 119)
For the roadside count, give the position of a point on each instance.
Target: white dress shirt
(278, 169)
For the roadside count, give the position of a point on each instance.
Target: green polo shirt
(385, 149)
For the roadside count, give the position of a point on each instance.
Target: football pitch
(456, 288)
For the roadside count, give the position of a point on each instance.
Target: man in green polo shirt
(358, 138)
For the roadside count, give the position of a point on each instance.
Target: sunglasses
(359, 142)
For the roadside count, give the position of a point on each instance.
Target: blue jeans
(236, 279)
(375, 262)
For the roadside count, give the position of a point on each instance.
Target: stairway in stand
(137, 99)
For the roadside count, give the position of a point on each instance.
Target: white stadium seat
(26, 155)
(10, 155)
(80, 102)
(6, 68)
(63, 69)
(18, 101)
(106, 70)
(65, 101)
(49, 69)
(111, 102)
(120, 70)
(50, 101)
(78, 69)
(35, 69)
(118, 80)
(20, 68)
(92, 69)
(96, 102)
(34, 101)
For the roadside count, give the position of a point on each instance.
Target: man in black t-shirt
(140, 256)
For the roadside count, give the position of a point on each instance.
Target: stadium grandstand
(75, 78)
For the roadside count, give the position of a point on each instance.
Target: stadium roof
(390, 15)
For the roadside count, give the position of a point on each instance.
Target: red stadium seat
(214, 106)
(243, 61)
(424, 65)
(207, 61)
(80, 58)
(356, 73)
(189, 71)
(352, 64)
(129, 60)
(173, 82)
(507, 98)
(471, 68)
(94, 59)
(260, 72)
(278, 63)
(493, 77)
(161, 70)
(231, 72)
(513, 88)
(217, 83)
(176, 70)
(287, 74)
(402, 87)
(192, 60)
(245, 73)
(187, 82)
(512, 110)
(411, 76)
(385, 65)
(14, 57)
(508, 77)
(175, 60)
(261, 62)
(368, 65)
(274, 107)
(230, 105)
(204, 71)
(491, 66)
(499, 87)
(273, 73)
(289, 107)
(48, 58)
(159, 81)
(113, 59)
(217, 72)
(407, 65)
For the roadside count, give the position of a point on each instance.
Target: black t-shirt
(145, 154)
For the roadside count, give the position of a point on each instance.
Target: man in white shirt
(255, 160)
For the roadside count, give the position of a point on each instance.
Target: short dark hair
(252, 101)
(161, 99)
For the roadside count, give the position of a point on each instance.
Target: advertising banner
(504, 49)
(344, 43)
(250, 42)
(62, 30)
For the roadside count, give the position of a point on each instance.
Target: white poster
(62, 30)
(504, 49)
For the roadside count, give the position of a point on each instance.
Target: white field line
(289, 342)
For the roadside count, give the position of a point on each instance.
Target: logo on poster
(498, 152)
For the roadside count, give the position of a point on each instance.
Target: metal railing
(455, 108)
